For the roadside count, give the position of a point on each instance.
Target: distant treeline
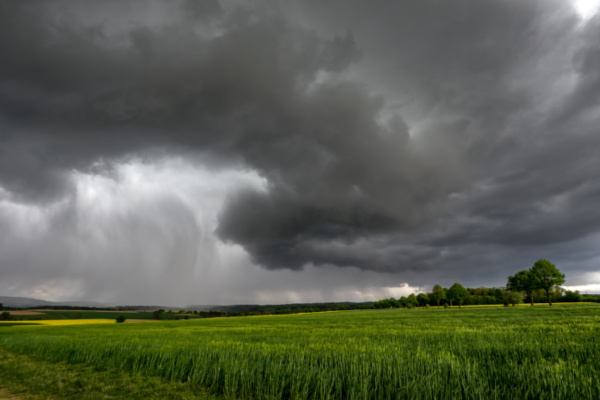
(540, 284)
(483, 296)
(476, 296)
(279, 309)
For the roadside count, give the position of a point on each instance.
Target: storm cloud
(424, 141)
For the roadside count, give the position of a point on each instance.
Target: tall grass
(525, 353)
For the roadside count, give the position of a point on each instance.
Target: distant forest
(477, 296)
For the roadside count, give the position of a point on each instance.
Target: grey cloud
(247, 92)
(94, 95)
(411, 137)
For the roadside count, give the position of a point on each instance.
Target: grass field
(474, 353)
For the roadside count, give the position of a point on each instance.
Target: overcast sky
(182, 153)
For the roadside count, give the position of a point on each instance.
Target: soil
(26, 312)
(4, 395)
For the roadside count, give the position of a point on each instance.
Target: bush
(572, 296)
(512, 297)
(157, 314)
(120, 319)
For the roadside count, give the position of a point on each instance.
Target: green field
(480, 353)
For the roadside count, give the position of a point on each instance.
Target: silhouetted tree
(157, 314)
(524, 281)
(457, 293)
(438, 294)
(423, 299)
(547, 276)
(412, 301)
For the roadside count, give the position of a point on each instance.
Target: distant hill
(203, 307)
(27, 302)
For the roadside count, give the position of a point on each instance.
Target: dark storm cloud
(81, 93)
(396, 137)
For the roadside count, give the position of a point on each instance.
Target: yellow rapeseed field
(62, 322)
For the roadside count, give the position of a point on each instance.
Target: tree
(412, 301)
(438, 294)
(403, 302)
(450, 296)
(157, 314)
(547, 276)
(512, 297)
(387, 303)
(77, 315)
(423, 299)
(524, 281)
(120, 319)
(572, 296)
(457, 293)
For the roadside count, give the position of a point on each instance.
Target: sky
(226, 152)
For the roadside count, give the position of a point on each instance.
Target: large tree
(524, 281)
(457, 293)
(412, 301)
(547, 276)
(423, 299)
(438, 294)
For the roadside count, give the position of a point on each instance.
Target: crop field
(83, 314)
(57, 322)
(469, 353)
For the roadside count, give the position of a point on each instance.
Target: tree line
(540, 283)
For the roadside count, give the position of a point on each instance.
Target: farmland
(489, 352)
(35, 315)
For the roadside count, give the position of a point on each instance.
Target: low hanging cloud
(434, 140)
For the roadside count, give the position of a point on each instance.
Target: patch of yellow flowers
(58, 322)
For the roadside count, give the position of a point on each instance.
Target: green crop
(487, 353)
